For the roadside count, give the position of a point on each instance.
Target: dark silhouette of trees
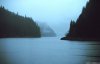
(87, 26)
(14, 25)
(71, 29)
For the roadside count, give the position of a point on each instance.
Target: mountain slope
(87, 26)
(46, 30)
(14, 25)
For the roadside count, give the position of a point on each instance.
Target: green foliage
(14, 25)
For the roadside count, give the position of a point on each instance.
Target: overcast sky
(56, 13)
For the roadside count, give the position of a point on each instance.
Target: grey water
(47, 50)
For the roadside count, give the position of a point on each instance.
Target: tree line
(15, 25)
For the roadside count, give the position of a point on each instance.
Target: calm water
(47, 50)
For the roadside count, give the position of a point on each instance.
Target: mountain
(14, 25)
(87, 26)
(46, 30)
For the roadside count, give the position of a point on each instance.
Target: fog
(56, 13)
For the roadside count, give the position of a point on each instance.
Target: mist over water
(56, 13)
(48, 50)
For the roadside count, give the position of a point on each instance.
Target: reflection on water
(48, 50)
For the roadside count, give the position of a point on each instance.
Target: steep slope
(87, 26)
(14, 25)
(46, 30)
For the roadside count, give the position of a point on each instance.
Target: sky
(56, 13)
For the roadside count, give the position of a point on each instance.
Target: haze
(56, 13)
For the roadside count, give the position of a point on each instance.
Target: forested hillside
(87, 26)
(15, 25)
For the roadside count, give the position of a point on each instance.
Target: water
(47, 50)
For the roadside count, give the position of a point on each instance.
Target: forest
(14, 25)
(87, 26)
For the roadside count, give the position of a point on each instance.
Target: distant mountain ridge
(14, 25)
(46, 30)
(87, 26)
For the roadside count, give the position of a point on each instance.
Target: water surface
(47, 50)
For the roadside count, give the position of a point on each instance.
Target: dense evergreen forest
(15, 25)
(87, 26)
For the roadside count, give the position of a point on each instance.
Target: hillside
(46, 30)
(87, 26)
(14, 25)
